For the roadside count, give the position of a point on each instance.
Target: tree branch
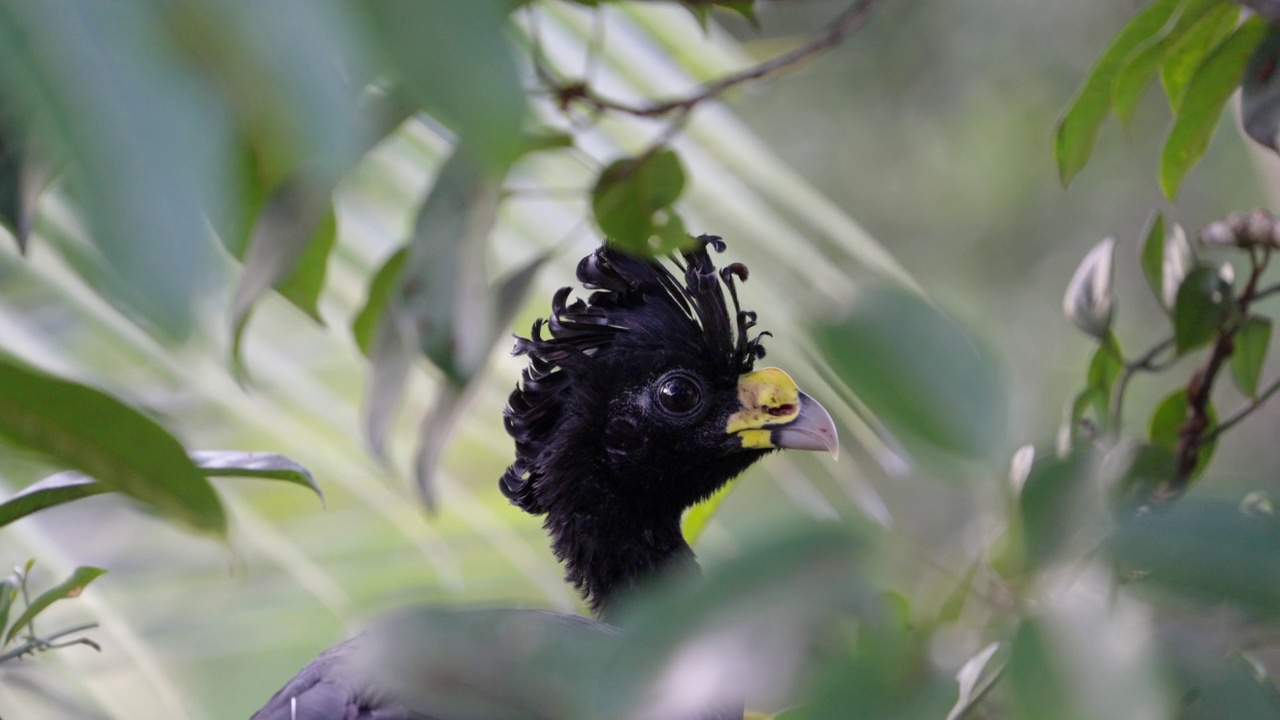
(847, 22)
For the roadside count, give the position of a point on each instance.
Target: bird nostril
(781, 410)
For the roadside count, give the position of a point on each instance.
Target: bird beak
(775, 414)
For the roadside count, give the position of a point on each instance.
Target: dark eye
(679, 394)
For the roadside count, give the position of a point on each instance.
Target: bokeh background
(917, 152)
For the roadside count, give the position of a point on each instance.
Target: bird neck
(609, 550)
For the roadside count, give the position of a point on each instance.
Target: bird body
(638, 402)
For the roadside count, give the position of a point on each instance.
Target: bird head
(645, 393)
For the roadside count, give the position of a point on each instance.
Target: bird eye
(679, 395)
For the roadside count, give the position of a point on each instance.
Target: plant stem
(32, 644)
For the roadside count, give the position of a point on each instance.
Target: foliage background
(930, 129)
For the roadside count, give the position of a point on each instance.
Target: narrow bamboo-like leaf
(8, 593)
(86, 429)
(69, 588)
(1188, 51)
(632, 198)
(1078, 130)
(969, 689)
(1251, 343)
(68, 486)
(1201, 309)
(384, 281)
(1207, 92)
(57, 489)
(303, 286)
(1153, 255)
(271, 466)
(290, 224)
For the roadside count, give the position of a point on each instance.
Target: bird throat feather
(634, 303)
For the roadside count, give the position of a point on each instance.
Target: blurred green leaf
(69, 588)
(1055, 503)
(632, 201)
(1213, 83)
(384, 281)
(1078, 130)
(917, 371)
(23, 175)
(303, 285)
(1251, 343)
(453, 58)
(1167, 421)
(1153, 255)
(1202, 308)
(1039, 690)
(1189, 50)
(148, 142)
(289, 248)
(1216, 687)
(83, 428)
(1207, 550)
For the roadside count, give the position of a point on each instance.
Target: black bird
(638, 402)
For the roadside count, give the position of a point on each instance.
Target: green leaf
(8, 593)
(146, 137)
(632, 198)
(1205, 549)
(1038, 690)
(1251, 343)
(1053, 504)
(1107, 365)
(1206, 94)
(296, 226)
(917, 371)
(57, 489)
(64, 487)
(1188, 51)
(1138, 470)
(269, 466)
(79, 427)
(303, 286)
(1169, 417)
(1078, 130)
(1201, 309)
(384, 281)
(427, 43)
(1153, 255)
(69, 588)
(1141, 65)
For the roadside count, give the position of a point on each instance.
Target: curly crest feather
(635, 304)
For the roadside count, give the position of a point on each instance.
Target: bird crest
(634, 303)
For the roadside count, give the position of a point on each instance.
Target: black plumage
(637, 402)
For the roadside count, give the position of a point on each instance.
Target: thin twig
(1144, 362)
(1243, 412)
(847, 22)
(32, 644)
